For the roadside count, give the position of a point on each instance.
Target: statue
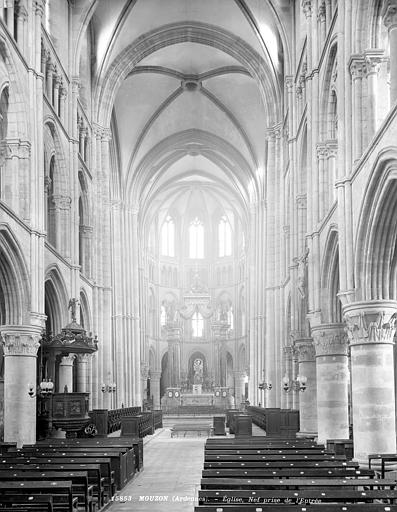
(73, 306)
(302, 264)
(223, 312)
(198, 371)
(171, 312)
(197, 285)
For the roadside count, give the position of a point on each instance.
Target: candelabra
(265, 385)
(45, 388)
(108, 388)
(299, 384)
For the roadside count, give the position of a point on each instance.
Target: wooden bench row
(92, 470)
(254, 475)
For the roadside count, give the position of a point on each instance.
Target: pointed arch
(56, 300)
(331, 305)
(85, 311)
(14, 281)
(376, 245)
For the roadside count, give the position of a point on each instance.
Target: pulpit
(70, 412)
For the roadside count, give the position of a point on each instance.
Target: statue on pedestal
(198, 371)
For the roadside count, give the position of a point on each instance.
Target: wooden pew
(263, 446)
(122, 459)
(61, 492)
(251, 451)
(103, 443)
(263, 440)
(28, 503)
(297, 496)
(93, 472)
(209, 457)
(79, 479)
(7, 460)
(281, 464)
(287, 473)
(295, 483)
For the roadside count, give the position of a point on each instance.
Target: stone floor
(172, 472)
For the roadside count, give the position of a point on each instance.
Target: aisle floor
(172, 472)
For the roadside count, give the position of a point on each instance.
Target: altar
(202, 399)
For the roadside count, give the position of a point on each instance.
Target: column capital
(305, 350)
(389, 13)
(321, 150)
(301, 201)
(144, 370)
(330, 340)
(332, 149)
(68, 360)
(22, 12)
(39, 7)
(370, 322)
(20, 340)
(307, 7)
(357, 66)
(63, 91)
(75, 84)
(83, 358)
(106, 135)
(86, 230)
(321, 13)
(289, 83)
(373, 59)
(62, 202)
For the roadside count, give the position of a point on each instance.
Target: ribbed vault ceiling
(189, 111)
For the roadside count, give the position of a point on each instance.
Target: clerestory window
(196, 239)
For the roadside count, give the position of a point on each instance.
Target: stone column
(49, 79)
(55, 99)
(239, 386)
(356, 70)
(65, 377)
(286, 402)
(373, 59)
(62, 103)
(82, 372)
(322, 22)
(20, 345)
(370, 327)
(295, 372)
(144, 378)
(332, 153)
(390, 20)
(10, 16)
(22, 16)
(307, 398)
(323, 179)
(328, 13)
(86, 233)
(155, 388)
(331, 345)
(172, 363)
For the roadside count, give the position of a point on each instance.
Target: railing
(157, 419)
(115, 415)
(107, 422)
(258, 415)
